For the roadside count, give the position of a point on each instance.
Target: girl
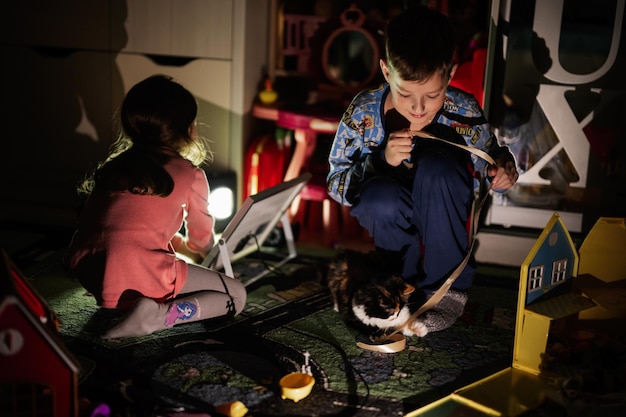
(139, 197)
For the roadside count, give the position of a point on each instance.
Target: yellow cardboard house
(551, 302)
(602, 272)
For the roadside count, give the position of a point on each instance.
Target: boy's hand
(504, 175)
(399, 147)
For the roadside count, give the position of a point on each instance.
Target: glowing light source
(223, 199)
(222, 203)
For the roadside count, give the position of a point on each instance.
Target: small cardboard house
(547, 302)
(552, 299)
(602, 272)
(39, 376)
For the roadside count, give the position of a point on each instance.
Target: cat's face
(383, 304)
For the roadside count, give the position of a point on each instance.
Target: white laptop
(253, 223)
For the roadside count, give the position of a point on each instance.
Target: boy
(414, 195)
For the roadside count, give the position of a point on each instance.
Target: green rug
(479, 340)
(288, 313)
(82, 319)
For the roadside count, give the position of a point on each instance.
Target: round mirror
(345, 51)
(350, 57)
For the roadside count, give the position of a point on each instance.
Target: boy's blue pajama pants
(426, 225)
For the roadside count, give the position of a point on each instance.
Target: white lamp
(223, 197)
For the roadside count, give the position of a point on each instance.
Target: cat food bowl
(296, 386)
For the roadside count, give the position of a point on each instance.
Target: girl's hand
(184, 250)
(399, 147)
(504, 175)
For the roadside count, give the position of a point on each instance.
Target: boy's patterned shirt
(361, 135)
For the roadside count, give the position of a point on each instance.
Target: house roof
(601, 253)
(17, 292)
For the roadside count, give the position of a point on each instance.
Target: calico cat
(370, 298)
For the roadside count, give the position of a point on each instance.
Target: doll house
(602, 272)
(39, 375)
(562, 293)
(546, 293)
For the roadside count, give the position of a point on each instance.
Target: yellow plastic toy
(268, 95)
(298, 385)
(232, 409)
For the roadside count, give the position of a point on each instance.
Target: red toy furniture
(39, 375)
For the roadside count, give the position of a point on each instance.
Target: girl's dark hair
(419, 43)
(157, 120)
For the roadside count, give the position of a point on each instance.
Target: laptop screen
(255, 220)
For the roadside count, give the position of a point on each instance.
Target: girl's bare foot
(146, 316)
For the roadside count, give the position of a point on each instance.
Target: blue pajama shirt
(420, 209)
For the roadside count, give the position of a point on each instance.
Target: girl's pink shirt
(125, 241)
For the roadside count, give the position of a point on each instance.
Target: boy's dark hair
(419, 43)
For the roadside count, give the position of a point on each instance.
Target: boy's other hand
(504, 175)
(399, 147)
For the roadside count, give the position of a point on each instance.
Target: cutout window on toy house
(535, 278)
(26, 398)
(559, 271)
